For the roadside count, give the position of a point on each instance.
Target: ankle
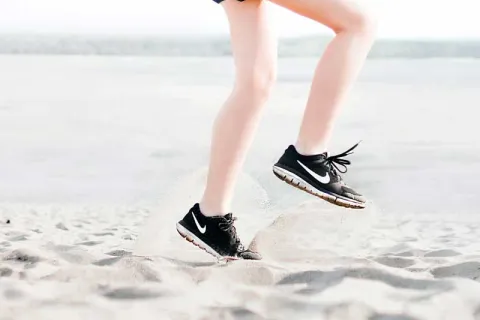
(210, 210)
(309, 150)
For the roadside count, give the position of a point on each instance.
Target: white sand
(77, 263)
(96, 166)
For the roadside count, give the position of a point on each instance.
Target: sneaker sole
(301, 184)
(190, 237)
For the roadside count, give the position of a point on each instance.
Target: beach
(100, 156)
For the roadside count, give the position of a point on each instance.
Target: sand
(347, 266)
(96, 166)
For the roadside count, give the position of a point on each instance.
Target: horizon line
(224, 36)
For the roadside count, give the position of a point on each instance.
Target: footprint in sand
(22, 255)
(384, 316)
(395, 262)
(410, 253)
(318, 281)
(12, 294)
(470, 270)
(20, 237)
(5, 272)
(131, 293)
(107, 261)
(103, 234)
(119, 253)
(442, 253)
(237, 313)
(89, 243)
(5, 244)
(61, 226)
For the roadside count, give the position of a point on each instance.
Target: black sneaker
(216, 235)
(319, 175)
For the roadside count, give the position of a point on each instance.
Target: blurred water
(119, 130)
(219, 46)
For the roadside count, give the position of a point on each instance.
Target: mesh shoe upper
(217, 232)
(321, 171)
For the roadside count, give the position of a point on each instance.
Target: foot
(216, 235)
(320, 176)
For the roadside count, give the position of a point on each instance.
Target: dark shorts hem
(218, 1)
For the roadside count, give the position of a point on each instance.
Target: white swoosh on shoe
(200, 228)
(322, 179)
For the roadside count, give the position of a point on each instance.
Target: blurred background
(107, 101)
(148, 27)
(425, 19)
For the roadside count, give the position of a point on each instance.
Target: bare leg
(254, 52)
(337, 69)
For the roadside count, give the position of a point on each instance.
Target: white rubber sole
(190, 237)
(297, 182)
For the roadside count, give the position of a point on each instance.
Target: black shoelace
(227, 225)
(337, 159)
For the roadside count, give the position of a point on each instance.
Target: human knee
(257, 83)
(361, 21)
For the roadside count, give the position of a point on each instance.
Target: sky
(425, 19)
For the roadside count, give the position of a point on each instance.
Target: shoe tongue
(228, 216)
(318, 157)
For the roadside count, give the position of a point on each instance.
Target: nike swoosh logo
(322, 179)
(200, 228)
